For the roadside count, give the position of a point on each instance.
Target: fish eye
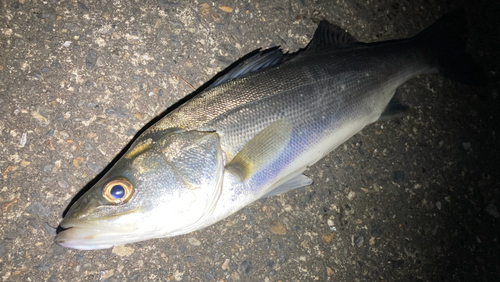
(118, 191)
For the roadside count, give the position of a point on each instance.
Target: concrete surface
(411, 199)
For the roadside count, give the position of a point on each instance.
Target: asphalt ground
(415, 198)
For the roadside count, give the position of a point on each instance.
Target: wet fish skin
(253, 135)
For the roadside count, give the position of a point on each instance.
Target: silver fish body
(253, 135)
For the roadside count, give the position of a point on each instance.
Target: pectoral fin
(261, 150)
(293, 182)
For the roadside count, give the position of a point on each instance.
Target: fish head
(163, 186)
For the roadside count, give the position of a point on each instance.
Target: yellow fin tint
(140, 147)
(263, 148)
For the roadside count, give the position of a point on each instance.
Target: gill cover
(164, 186)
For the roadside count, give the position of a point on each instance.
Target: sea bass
(253, 132)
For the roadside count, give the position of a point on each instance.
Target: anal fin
(393, 109)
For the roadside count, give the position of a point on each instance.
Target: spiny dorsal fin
(254, 62)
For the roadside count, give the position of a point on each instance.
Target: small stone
(225, 264)
(15, 5)
(210, 274)
(205, 8)
(327, 237)
(283, 257)
(67, 44)
(491, 209)
(123, 251)
(277, 228)
(91, 59)
(95, 167)
(52, 278)
(270, 263)
(50, 132)
(131, 132)
(77, 162)
(358, 239)
(82, 6)
(70, 26)
(226, 9)
(189, 259)
(45, 69)
(467, 145)
(182, 248)
(134, 276)
(63, 183)
(49, 229)
(117, 112)
(105, 274)
(372, 241)
(398, 175)
(167, 4)
(193, 241)
(2, 249)
(39, 209)
(438, 205)
(79, 257)
(246, 266)
(42, 266)
(329, 271)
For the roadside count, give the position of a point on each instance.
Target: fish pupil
(117, 191)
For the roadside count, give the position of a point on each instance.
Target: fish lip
(82, 238)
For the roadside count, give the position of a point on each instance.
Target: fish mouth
(92, 236)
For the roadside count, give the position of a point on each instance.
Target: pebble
(329, 271)
(123, 251)
(246, 266)
(15, 5)
(45, 69)
(224, 266)
(358, 239)
(182, 248)
(270, 263)
(490, 209)
(167, 4)
(134, 276)
(117, 112)
(193, 241)
(63, 183)
(210, 274)
(91, 59)
(277, 228)
(42, 266)
(79, 257)
(327, 237)
(50, 132)
(52, 278)
(2, 249)
(52, 231)
(82, 6)
(95, 167)
(189, 259)
(39, 209)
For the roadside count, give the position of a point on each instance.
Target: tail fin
(445, 41)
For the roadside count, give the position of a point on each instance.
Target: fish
(253, 132)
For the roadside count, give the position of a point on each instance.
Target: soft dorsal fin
(254, 62)
(328, 35)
